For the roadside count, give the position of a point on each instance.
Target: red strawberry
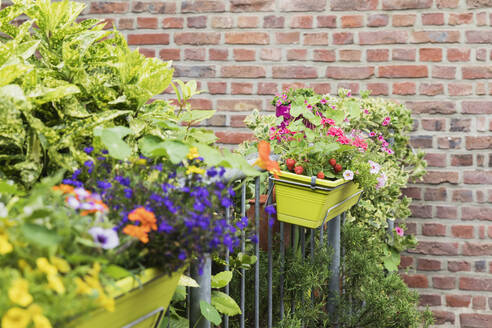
(333, 162)
(338, 168)
(321, 175)
(290, 162)
(298, 169)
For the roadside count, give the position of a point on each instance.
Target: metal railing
(328, 233)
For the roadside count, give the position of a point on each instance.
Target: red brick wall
(433, 55)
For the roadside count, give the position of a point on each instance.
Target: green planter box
(304, 201)
(138, 304)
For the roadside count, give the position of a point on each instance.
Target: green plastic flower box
(308, 202)
(139, 303)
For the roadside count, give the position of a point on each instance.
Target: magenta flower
(323, 101)
(372, 134)
(399, 231)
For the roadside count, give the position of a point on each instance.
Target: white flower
(348, 175)
(3, 211)
(381, 181)
(73, 202)
(375, 167)
(105, 238)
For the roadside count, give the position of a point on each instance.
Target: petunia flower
(19, 292)
(105, 238)
(399, 231)
(348, 175)
(375, 167)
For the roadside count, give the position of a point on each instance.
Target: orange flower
(66, 189)
(264, 160)
(140, 232)
(146, 218)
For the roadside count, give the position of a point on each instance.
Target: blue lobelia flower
(165, 227)
(88, 150)
(104, 185)
(243, 223)
(128, 192)
(211, 172)
(182, 255)
(89, 165)
(270, 209)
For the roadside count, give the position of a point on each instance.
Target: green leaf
(9, 189)
(179, 294)
(246, 259)
(353, 108)
(186, 281)
(210, 313)
(196, 116)
(176, 150)
(112, 138)
(40, 235)
(116, 271)
(225, 304)
(221, 279)
(392, 260)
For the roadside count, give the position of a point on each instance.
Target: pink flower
(348, 175)
(349, 93)
(323, 101)
(366, 111)
(389, 151)
(372, 134)
(334, 131)
(386, 120)
(385, 143)
(309, 106)
(399, 231)
(381, 181)
(375, 167)
(343, 140)
(380, 138)
(327, 121)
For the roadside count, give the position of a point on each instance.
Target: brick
(172, 22)
(460, 19)
(239, 88)
(126, 24)
(444, 72)
(383, 37)
(222, 22)
(460, 89)
(435, 194)
(449, 143)
(294, 72)
(403, 20)
(203, 6)
(429, 300)
(343, 38)
(324, 55)
(251, 72)
(296, 54)
(435, 160)
(477, 72)
(463, 195)
(237, 121)
(481, 54)
(293, 85)
(197, 103)
(478, 284)
(477, 107)
(479, 213)
(380, 89)
(403, 71)
(462, 231)
(244, 54)
(196, 22)
(480, 266)
(481, 18)
(433, 19)
(428, 265)
(477, 249)
(416, 280)
(479, 302)
(443, 317)
(377, 20)
(455, 266)
(267, 88)
(456, 55)
(169, 54)
(327, 21)
(196, 38)
(217, 87)
(287, 37)
(431, 89)
(321, 88)
(233, 137)
(238, 105)
(436, 248)
(441, 4)
(471, 4)
(352, 86)
(421, 211)
(273, 21)
(252, 5)
(218, 54)
(301, 22)
(194, 71)
(433, 229)
(148, 39)
(302, 5)
(421, 141)
(430, 54)
(462, 160)
(154, 7)
(147, 52)
(108, 7)
(404, 54)
(431, 107)
(433, 124)
(271, 54)
(217, 120)
(195, 54)
(475, 320)
(377, 55)
(479, 143)
(458, 300)
(405, 262)
(353, 5)
(247, 38)
(412, 192)
(444, 282)
(316, 39)
(404, 88)
(352, 21)
(349, 73)
(349, 55)
(147, 22)
(406, 4)
(435, 37)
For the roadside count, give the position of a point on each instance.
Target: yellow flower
(194, 169)
(55, 283)
(5, 246)
(16, 318)
(82, 287)
(141, 161)
(35, 309)
(106, 302)
(193, 153)
(23, 265)
(19, 292)
(45, 266)
(40, 321)
(60, 264)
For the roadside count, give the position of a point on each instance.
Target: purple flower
(122, 180)
(199, 207)
(89, 165)
(76, 173)
(105, 238)
(165, 227)
(211, 172)
(271, 222)
(182, 255)
(104, 151)
(243, 223)
(283, 111)
(232, 193)
(226, 202)
(254, 239)
(128, 192)
(88, 150)
(158, 167)
(221, 171)
(104, 185)
(270, 210)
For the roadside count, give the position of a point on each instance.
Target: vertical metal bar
(168, 315)
(391, 226)
(321, 230)
(303, 256)
(228, 219)
(243, 278)
(270, 269)
(282, 259)
(203, 293)
(312, 257)
(293, 230)
(333, 235)
(257, 251)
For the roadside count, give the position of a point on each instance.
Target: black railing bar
(333, 233)
(270, 260)
(243, 245)
(257, 252)
(341, 203)
(312, 258)
(293, 229)
(227, 259)
(282, 259)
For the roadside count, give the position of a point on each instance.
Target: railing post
(203, 293)
(333, 236)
